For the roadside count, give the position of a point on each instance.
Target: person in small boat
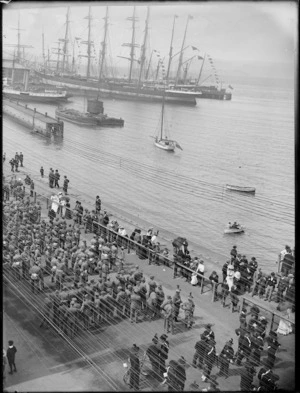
(166, 141)
(235, 225)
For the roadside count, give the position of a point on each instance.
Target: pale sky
(230, 32)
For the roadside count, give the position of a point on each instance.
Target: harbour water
(248, 141)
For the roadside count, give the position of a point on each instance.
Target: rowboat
(239, 229)
(240, 189)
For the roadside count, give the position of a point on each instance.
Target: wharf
(36, 121)
(109, 346)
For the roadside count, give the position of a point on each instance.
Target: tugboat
(93, 117)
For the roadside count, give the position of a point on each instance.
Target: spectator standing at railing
(234, 298)
(200, 269)
(271, 283)
(42, 171)
(214, 278)
(224, 270)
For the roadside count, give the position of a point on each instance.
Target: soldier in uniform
(225, 358)
(121, 301)
(152, 285)
(168, 311)
(188, 308)
(135, 305)
(176, 304)
(160, 297)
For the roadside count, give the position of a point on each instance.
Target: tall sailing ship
(131, 89)
(16, 86)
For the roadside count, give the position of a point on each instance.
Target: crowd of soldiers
(34, 248)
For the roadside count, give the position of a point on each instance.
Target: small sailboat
(162, 141)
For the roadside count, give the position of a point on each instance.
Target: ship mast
(66, 40)
(132, 45)
(182, 49)
(103, 43)
(43, 45)
(171, 51)
(89, 44)
(19, 38)
(143, 48)
(162, 117)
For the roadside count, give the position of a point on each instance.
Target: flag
(200, 58)
(230, 87)
(194, 48)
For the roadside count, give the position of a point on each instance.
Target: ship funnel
(95, 107)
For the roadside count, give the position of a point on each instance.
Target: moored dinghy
(250, 190)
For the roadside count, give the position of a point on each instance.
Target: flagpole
(170, 52)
